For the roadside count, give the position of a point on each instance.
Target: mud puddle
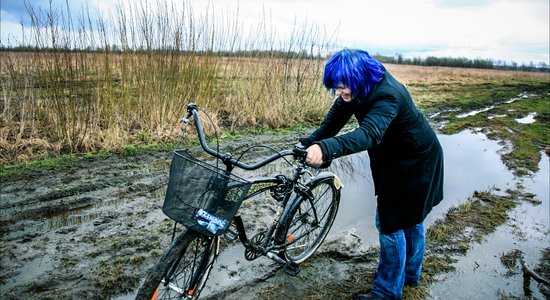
(93, 230)
(481, 273)
(473, 163)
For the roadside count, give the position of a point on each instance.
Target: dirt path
(65, 231)
(93, 229)
(90, 230)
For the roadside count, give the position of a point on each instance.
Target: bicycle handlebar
(299, 151)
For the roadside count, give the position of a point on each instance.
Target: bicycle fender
(326, 175)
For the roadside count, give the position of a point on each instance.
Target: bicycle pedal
(292, 268)
(230, 235)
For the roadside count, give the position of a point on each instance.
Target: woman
(406, 160)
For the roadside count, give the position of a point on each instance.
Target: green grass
(65, 160)
(35, 165)
(528, 140)
(474, 94)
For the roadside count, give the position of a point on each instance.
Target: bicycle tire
(192, 253)
(299, 226)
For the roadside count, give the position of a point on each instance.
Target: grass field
(132, 90)
(69, 103)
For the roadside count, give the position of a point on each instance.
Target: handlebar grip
(300, 151)
(192, 106)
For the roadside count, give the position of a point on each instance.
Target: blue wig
(355, 69)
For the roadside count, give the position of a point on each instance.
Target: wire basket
(201, 196)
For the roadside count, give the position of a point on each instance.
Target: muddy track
(59, 226)
(90, 230)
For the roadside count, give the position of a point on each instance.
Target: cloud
(19, 11)
(496, 29)
(14, 12)
(461, 3)
(485, 30)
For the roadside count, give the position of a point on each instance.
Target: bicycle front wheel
(182, 271)
(308, 223)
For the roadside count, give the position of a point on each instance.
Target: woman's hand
(314, 155)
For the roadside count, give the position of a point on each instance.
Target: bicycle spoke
(198, 189)
(174, 288)
(311, 221)
(182, 281)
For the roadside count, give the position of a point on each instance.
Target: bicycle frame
(285, 185)
(282, 185)
(281, 189)
(296, 217)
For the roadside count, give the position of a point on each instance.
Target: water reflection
(530, 118)
(358, 204)
(472, 162)
(521, 96)
(480, 274)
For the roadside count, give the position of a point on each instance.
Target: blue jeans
(400, 263)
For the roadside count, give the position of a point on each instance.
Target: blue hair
(355, 69)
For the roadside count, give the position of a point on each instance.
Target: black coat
(405, 154)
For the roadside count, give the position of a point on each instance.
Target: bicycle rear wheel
(308, 223)
(182, 271)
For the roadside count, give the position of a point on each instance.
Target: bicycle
(205, 199)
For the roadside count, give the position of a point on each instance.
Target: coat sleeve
(370, 131)
(339, 114)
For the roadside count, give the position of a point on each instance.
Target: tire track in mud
(86, 189)
(93, 229)
(59, 227)
(89, 230)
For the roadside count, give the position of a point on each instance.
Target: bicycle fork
(197, 274)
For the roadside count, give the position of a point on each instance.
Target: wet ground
(93, 229)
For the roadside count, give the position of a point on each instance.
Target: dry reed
(98, 82)
(103, 82)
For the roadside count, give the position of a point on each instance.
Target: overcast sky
(510, 30)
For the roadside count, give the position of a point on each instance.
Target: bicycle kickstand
(290, 267)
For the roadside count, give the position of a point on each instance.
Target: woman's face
(344, 92)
